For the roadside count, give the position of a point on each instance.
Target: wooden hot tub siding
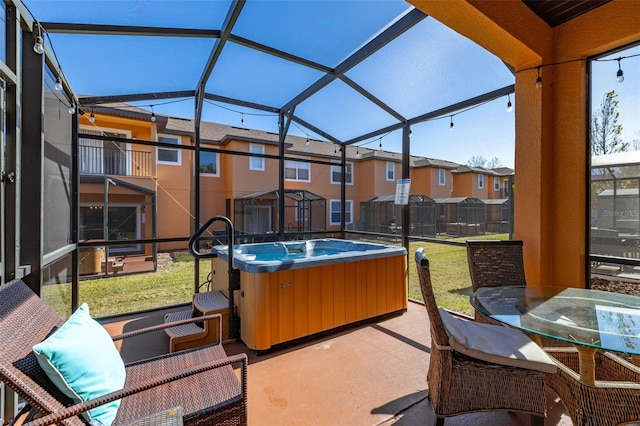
(277, 307)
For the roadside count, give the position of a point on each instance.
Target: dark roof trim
(101, 179)
(279, 53)
(557, 12)
(95, 100)
(125, 30)
(232, 101)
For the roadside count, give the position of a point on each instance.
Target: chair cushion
(82, 361)
(495, 343)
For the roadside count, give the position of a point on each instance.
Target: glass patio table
(588, 319)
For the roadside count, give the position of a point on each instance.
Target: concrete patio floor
(369, 375)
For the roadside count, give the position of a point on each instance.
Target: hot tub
(290, 290)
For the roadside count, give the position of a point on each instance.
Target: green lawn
(174, 284)
(130, 293)
(449, 275)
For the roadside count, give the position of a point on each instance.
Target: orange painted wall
(425, 180)
(491, 192)
(365, 172)
(551, 122)
(466, 185)
(421, 180)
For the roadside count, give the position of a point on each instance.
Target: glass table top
(593, 318)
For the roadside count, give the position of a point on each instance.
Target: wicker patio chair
(495, 263)
(201, 381)
(498, 263)
(460, 384)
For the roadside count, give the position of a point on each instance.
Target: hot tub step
(198, 334)
(210, 302)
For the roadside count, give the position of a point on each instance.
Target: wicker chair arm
(169, 325)
(77, 409)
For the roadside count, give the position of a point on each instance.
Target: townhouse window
(335, 207)
(496, 184)
(209, 164)
(442, 177)
(169, 156)
(256, 163)
(480, 181)
(297, 170)
(391, 170)
(336, 174)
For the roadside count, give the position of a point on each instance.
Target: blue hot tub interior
(269, 257)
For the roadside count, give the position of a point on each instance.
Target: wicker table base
(170, 417)
(612, 399)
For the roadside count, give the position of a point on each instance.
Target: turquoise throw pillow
(82, 361)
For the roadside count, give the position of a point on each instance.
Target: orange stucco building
(552, 147)
(154, 188)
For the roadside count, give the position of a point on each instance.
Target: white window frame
(256, 163)
(297, 165)
(217, 156)
(178, 140)
(348, 211)
(336, 168)
(481, 181)
(496, 183)
(442, 177)
(391, 168)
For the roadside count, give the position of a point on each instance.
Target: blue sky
(604, 80)
(427, 68)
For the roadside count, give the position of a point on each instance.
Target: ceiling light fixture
(92, 118)
(72, 109)
(153, 114)
(357, 152)
(58, 85)
(451, 125)
(242, 119)
(307, 142)
(509, 104)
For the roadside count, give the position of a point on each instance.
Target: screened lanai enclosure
(307, 94)
(382, 215)
(461, 216)
(256, 215)
(499, 215)
(615, 207)
(338, 101)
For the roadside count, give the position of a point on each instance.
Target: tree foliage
(605, 129)
(494, 163)
(480, 161)
(477, 161)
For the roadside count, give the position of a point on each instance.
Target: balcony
(115, 160)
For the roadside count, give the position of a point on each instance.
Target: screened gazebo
(498, 215)
(257, 213)
(381, 214)
(461, 216)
